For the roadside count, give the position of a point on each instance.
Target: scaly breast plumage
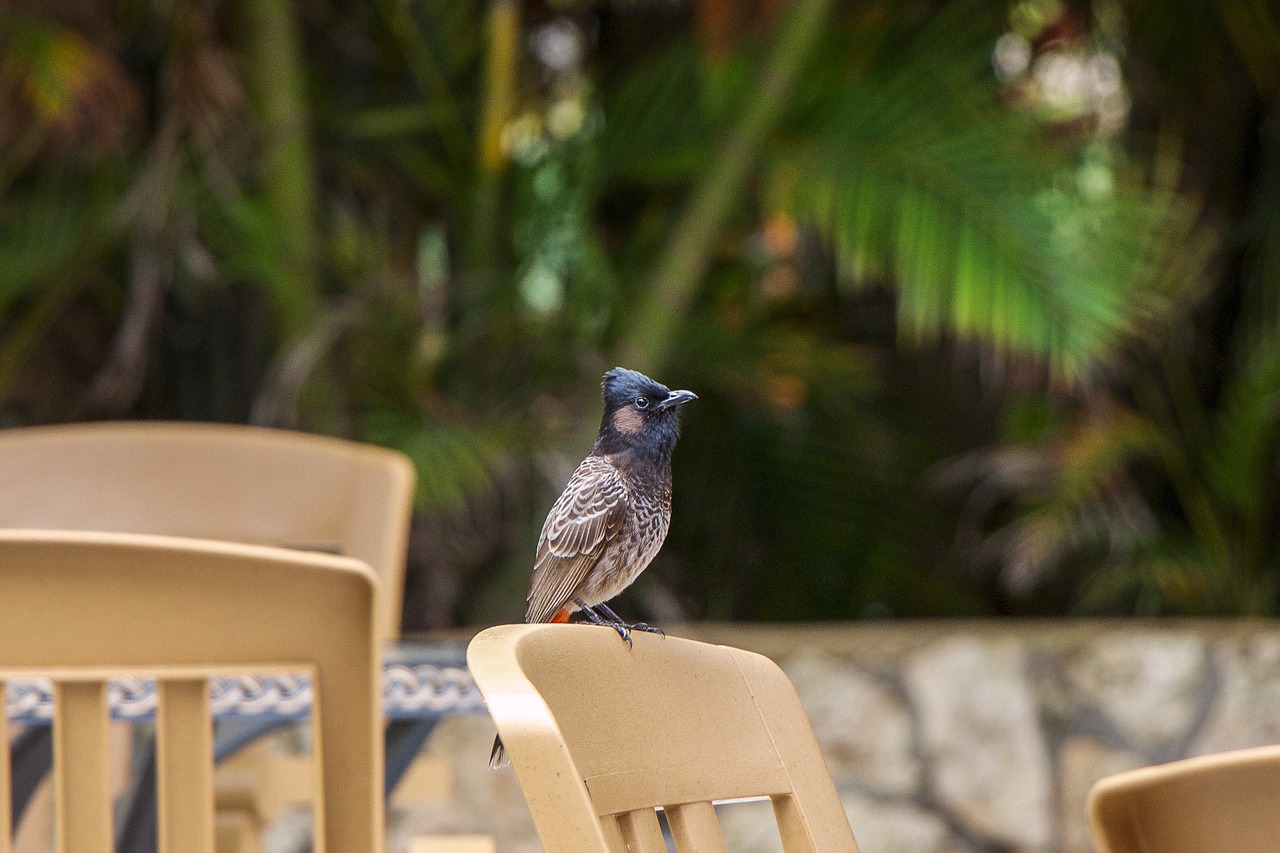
(637, 544)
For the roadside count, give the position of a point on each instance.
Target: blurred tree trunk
(276, 79)
(482, 247)
(674, 283)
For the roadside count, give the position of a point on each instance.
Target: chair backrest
(82, 607)
(1229, 801)
(600, 735)
(216, 481)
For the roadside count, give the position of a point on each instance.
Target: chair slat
(791, 826)
(82, 767)
(184, 767)
(642, 832)
(6, 792)
(696, 829)
(614, 840)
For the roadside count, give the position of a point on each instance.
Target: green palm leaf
(654, 129)
(455, 463)
(925, 181)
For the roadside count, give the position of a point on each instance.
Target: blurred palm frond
(1036, 507)
(924, 182)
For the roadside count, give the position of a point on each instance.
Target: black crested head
(621, 386)
(641, 417)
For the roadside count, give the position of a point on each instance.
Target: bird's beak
(676, 398)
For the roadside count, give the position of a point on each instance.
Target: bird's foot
(612, 618)
(623, 629)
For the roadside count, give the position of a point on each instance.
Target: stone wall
(961, 737)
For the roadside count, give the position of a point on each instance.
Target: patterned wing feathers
(584, 520)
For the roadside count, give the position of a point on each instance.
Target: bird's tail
(498, 757)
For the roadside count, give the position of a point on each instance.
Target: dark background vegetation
(980, 298)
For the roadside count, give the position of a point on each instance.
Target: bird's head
(639, 413)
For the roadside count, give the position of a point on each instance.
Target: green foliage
(926, 181)
(793, 495)
(455, 462)
(1161, 503)
(639, 142)
(1180, 518)
(448, 236)
(50, 230)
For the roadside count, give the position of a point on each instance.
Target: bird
(612, 517)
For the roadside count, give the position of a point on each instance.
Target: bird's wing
(585, 519)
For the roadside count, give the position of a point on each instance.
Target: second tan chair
(216, 481)
(225, 482)
(1210, 804)
(80, 608)
(600, 735)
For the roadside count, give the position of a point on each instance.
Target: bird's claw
(622, 631)
(610, 620)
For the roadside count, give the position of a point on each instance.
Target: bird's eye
(642, 402)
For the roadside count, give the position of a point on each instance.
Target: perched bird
(613, 515)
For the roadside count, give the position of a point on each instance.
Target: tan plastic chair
(216, 481)
(81, 607)
(1215, 803)
(600, 735)
(225, 482)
